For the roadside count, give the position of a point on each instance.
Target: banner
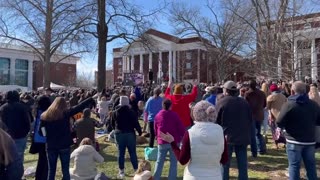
(132, 79)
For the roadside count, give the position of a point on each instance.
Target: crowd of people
(199, 125)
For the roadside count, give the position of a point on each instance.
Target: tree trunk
(47, 45)
(102, 43)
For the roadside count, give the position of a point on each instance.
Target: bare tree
(118, 20)
(221, 33)
(46, 27)
(274, 27)
(84, 80)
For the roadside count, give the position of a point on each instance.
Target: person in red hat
(274, 104)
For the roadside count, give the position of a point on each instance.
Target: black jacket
(125, 120)
(298, 117)
(235, 117)
(59, 131)
(16, 119)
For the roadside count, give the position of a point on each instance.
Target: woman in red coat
(180, 102)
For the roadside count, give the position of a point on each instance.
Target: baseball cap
(230, 85)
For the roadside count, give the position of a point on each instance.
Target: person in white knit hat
(125, 122)
(204, 143)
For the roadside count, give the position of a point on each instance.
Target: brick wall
(61, 73)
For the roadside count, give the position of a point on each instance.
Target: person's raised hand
(166, 137)
(195, 83)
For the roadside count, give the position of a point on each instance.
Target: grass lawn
(270, 166)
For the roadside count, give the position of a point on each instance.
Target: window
(120, 70)
(188, 65)
(120, 62)
(307, 26)
(69, 68)
(203, 56)
(57, 67)
(4, 71)
(21, 72)
(188, 55)
(188, 73)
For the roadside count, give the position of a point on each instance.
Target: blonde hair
(265, 89)
(314, 94)
(6, 142)
(86, 141)
(56, 110)
(143, 166)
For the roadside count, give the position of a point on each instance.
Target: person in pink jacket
(167, 121)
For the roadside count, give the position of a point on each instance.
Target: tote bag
(150, 154)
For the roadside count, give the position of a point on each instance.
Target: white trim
(300, 143)
(30, 74)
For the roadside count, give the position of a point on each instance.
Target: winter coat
(207, 145)
(180, 104)
(85, 159)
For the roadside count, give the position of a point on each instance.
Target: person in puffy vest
(203, 145)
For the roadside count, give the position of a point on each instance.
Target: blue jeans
(126, 140)
(64, 155)
(21, 146)
(163, 149)
(257, 141)
(295, 154)
(242, 162)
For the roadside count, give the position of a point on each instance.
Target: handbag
(150, 154)
(34, 147)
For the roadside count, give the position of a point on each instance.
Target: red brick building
(182, 60)
(20, 66)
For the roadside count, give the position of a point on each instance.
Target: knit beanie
(178, 89)
(274, 87)
(124, 101)
(204, 111)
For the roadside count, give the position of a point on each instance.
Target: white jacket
(85, 158)
(207, 145)
(103, 107)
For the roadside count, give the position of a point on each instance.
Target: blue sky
(88, 62)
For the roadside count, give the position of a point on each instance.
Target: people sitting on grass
(85, 127)
(144, 171)
(85, 158)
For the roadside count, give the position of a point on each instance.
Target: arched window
(307, 26)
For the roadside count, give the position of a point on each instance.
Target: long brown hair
(143, 166)
(56, 110)
(6, 142)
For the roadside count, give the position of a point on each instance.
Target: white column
(30, 74)
(132, 62)
(198, 66)
(160, 66)
(128, 63)
(141, 63)
(279, 68)
(314, 61)
(174, 66)
(123, 64)
(150, 60)
(295, 61)
(170, 66)
(12, 71)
